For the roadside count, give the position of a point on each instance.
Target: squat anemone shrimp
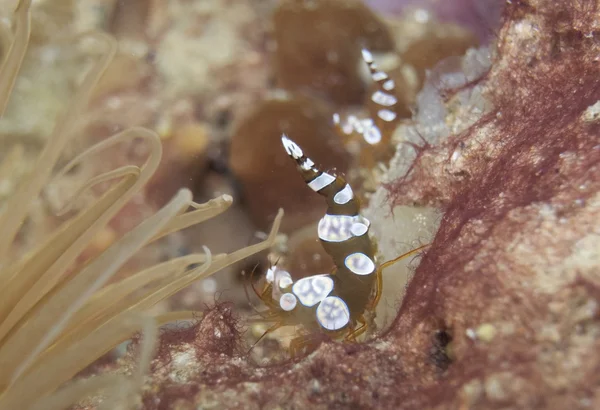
(385, 101)
(334, 303)
(370, 137)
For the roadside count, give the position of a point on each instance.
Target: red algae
(504, 274)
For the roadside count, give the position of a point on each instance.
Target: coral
(502, 311)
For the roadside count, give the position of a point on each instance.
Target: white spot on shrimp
(291, 147)
(285, 281)
(389, 85)
(339, 228)
(365, 127)
(288, 302)
(321, 181)
(372, 135)
(384, 99)
(359, 228)
(281, 279)
(270, 277)
(367, 56)
(386, 115)
(307, 164)
(379, 76)
(344, 196)
(349, 126)
(313, 289)
(333, 313)
(359, 263)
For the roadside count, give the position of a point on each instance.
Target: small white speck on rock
(315, 387)
(471, 334)
(592, 113)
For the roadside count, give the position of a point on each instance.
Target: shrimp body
(331, 302)
(377, 131)
(336, 302)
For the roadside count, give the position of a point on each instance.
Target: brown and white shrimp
(386, 101)
(334, 303)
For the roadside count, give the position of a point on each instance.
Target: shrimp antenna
(252, 282)
(404, 255)
(269, 330)
(248, 294)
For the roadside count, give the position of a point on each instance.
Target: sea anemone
(58, 315)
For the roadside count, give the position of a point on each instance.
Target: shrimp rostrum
(333, 303)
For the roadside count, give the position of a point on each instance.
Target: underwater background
(142, 180)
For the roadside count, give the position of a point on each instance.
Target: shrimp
(336, 302)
